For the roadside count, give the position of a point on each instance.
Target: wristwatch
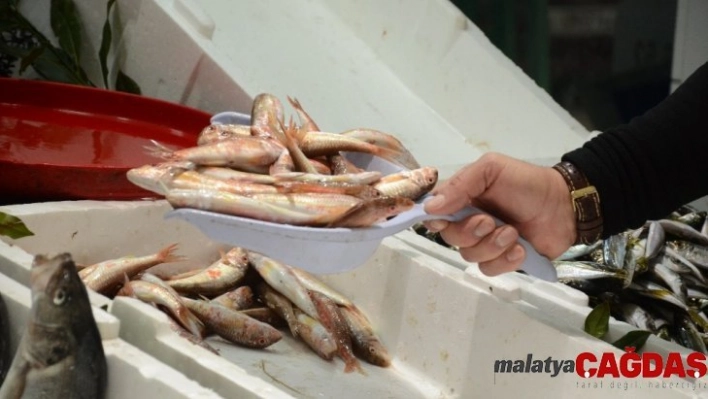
(586, 203)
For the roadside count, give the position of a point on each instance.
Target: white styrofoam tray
(131, 372)
(444, 327)
(351, 63)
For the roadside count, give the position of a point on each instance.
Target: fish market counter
(449, 331)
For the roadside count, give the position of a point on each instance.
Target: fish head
(237, 256)
(59, 296)
(391, 206)
(157, 178)
(426, 178)
(218, 132)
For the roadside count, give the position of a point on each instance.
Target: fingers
(491, 246)
(468, 232)
(509, 261)
(495, 249)
(468, 183)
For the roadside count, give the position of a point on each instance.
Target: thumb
(463, 187)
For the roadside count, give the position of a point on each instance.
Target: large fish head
(59, 296)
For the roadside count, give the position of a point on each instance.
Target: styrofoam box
(444, 327)
(351, 63)
(131, 372)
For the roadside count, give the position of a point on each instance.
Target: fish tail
(127, 289)
(167, 255)
(158, 150)
(352, 364)
(191, 322)
(397, 157)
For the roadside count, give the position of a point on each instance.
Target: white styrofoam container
(351, 63)
(444, 327)
(131, 372)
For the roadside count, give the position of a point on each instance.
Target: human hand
(533, 200)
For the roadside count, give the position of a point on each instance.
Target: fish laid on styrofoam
(220, 277)
(281, 278)
(237, 299)
(233, 325)
(329, 314)
(109, 274)
(150, 292)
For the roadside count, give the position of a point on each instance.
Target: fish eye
(60, 297)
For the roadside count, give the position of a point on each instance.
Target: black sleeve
(654, 164)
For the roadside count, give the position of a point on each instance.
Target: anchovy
(688, 334)
(578, 250)
(656, 291)
(568, 270)
(672, 279)
(683, 231)
(696, 254)
(614, 250)
(655, 240)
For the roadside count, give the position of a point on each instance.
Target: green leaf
(12, 226)
(106, 44)
(54, 65)
(126, 84)
(30, 58)
(66, 25)
(598, 321)
(635, 339)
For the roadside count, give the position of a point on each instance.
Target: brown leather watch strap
(586, 203)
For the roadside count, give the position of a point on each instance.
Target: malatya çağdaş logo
(628, 365)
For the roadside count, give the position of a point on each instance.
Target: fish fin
(158, 150)
(305, 118)
(355, 365)
(397, 157)
(127, 289)
(167, 254)
(298, 158)
(351, 212)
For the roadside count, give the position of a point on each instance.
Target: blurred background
(605, 61)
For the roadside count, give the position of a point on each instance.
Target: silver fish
(569, 270)
(655, 240)
(656, 291)
(60, 354)
(640, 318)
(578, 250)
(688, 334)
(614, 250)
(696, 254)
(683, 231)
(672, 280)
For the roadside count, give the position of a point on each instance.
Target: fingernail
(484, 228)
(436, 202)
(506, 237)
(436, 225)
(515, 254)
